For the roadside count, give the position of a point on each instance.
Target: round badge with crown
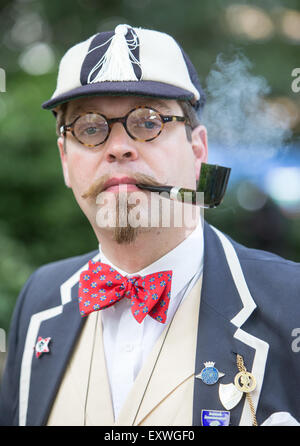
(210, 374)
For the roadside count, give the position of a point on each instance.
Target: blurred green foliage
(40, 221)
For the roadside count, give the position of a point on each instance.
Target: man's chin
(125, 235)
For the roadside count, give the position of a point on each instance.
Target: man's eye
(91, 130)
(148, 124)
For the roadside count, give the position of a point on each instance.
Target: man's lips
(120, 183)
(116, 184)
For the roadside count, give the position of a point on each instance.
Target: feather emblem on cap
(117, 63)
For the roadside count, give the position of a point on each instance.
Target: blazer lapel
(48, 369)
(40, 377)
(226, 304)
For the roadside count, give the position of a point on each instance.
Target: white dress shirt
(128, 343)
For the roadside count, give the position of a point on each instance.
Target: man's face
(169, 159)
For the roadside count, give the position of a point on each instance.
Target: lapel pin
(245, 382)
(210, 374)
(215, 418)
(42, 346)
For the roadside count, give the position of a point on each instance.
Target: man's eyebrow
(157, 103)
(74, 113)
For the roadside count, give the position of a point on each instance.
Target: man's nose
(119, 145)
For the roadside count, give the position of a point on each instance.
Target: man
(164, 324)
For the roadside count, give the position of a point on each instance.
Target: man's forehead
(109, 103)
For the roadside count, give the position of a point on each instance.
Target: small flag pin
(42, 346)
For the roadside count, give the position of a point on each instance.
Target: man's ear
(200, 147)
(64, 160)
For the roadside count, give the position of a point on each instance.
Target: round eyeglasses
(141, 123)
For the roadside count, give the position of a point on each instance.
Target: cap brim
(136, 88)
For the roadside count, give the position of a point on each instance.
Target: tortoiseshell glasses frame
(152, 122)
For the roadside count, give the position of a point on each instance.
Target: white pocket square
(280, 419)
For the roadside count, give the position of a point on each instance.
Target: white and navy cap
(127, 61)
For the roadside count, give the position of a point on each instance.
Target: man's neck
(149, 246)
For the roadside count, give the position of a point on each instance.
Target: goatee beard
(123, 232)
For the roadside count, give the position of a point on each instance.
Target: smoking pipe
(212, 182)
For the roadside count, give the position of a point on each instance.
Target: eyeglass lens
(141, 123)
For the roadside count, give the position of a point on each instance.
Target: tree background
(40, 221)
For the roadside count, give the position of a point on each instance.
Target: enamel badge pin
(229, 395)
(210, 374)
(42, 346)
(215, 418)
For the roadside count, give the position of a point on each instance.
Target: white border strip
(32, 333)
(66, 287)
(259, 364)
(239, 280)
(261, 347)
(25, 374)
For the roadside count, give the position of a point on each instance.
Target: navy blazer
(250, 305)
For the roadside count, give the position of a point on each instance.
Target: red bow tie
(102, 286)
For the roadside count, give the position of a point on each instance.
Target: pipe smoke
(237, 114)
